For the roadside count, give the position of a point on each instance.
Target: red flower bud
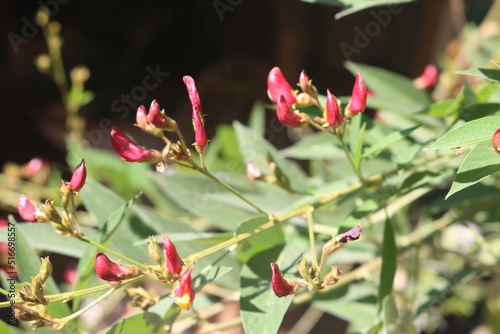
(174, 261)
(197, 114)
(126, 149)
(495, 141)
(277, 85)
(428, 78)
(307, 86)
(78, 178)
(357, 103)
(107, 269)
(156, 117)
(141, 117)
(352, 234)
(286, 115)
(280, 286)
(184, 293)
(26, 209)
(333, 115)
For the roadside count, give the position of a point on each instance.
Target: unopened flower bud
(197, 114)
(307, 86)
(286, 115)
(154, 250)
(253, 172)
(129, 151)
(357, 103)
(157, 117)
(51, 213)
(26, 209)
(111, 271)
(332, 277)
(65, 194)
(333, 115)
(141, 118)
(428, 78)
(45, 270)
(280, 286)
(495, 141)
(184, 293)
(79, 74)
(78, 178)
(277, 85)
(174, 261)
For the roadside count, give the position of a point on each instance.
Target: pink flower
(78, 178)
(333, 115)
(277, 85)
(174, 261)
(107, 269)
(26, 209)
(286, 115)
(184, 293)
(141, 117)
(197, 114)
(357, 103)
(156, 117)
(280, 286)
(352, 234)
(126, 149)
(495, 141)
(428, 78)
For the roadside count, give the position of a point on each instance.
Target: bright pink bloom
(126, 149)
(184, 293)
(156, 117)
(428, 78)
(495, 141)
(174, 261)
(26, 209)
(286, 115)
(107, 269)
(353, 234)
(333, 114)
(277, 85)
(357, 103)
(78, 178)
(280, 286)
(141, 117)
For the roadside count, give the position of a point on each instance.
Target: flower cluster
(156, 122)
(311, 275)
(287, 100)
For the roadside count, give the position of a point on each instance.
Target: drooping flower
(286, 115)
(357, 103)
(280, 286)
(184, 293)
(111, 271)
(495, 141)
(428, 78)
(26, 209)
(277, 85)
(353, 234)
(333, 114)
(174, 261)
(78, 178)
(197, 113)
(126, 149)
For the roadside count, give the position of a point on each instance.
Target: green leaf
(7, 329)
(144, 323)
(320, 145)
(260, 241)
(389, 263)
(484, 73)
(255, 148)
(387, 141)
(393, 92)
(480, 163)
(257, 118)
(470, 133)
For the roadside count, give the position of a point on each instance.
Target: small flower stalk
(306, 85)
(174, 261)
(183, 291)
(113, 272)
(357, 103)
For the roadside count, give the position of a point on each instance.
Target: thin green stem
(89, 306)
(312, 239)
(107, 250)
(349, 158)
(73, 208)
